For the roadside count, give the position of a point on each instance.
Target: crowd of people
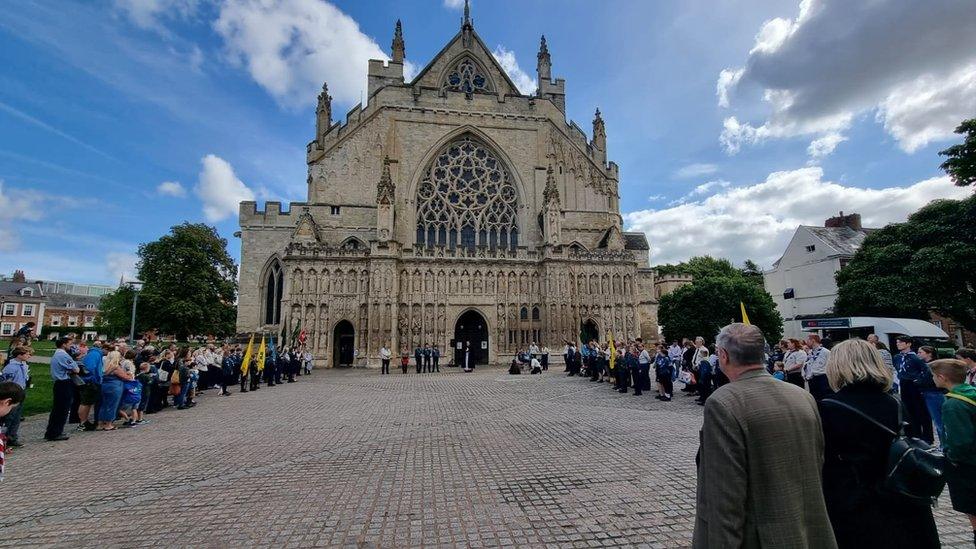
(109, 385)
(810, 446)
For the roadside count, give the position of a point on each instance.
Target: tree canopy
(703, 266)
(960, 161)
(907, 269)
(712, 299)
(190, 283)
(115, 313)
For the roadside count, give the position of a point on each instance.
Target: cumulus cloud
(19, 205)
(290, 47)
(171, 188)
(121, 266)
(756, 221)
(912, 63)
(219, 189)
(824, 146)
(695, 170)
(506, 58)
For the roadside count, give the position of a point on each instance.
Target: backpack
(132, 392)
(914, 469)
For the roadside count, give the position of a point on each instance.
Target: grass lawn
(43, 348)
(40, 396)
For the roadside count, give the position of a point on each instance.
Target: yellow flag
(745, 317)
(261, 351)
(247, 356)
(613, 351)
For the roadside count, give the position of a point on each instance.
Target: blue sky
(732, 121)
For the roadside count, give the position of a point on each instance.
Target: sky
(732, 121)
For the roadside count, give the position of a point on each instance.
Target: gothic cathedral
(452, 209)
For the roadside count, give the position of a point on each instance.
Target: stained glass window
(467, 77)
(467, 198)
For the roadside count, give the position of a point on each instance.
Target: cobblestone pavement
(355, 459)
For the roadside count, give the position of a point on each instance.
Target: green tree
(704, 306)
(907, 269)
(752, 272)
(960, 161)
(190, 282)
(700, 267)
(115, 313)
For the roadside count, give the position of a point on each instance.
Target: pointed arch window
(274, 282)
(467, 198)
(467, 76)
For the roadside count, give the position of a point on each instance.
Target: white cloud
(120, 265)
(913, 63)
(453, 4)
(20, 205)
(824, 146)
(756, 221)
(291, 46)
(702, 190)
(171, 188)
(695, 170)
(506, 58)
(220, 190)
(148, 14)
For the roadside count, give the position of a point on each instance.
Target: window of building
(28, 309)
(7, 328)
(468, 77)
(56, 320)
(524, 314)
(9, 309)
(274, 282)
(467, 197)
(334, 210)
(72, 321)
(811, 248)
(89, 320)
(27, 292)
(90, 306)
(535, 313)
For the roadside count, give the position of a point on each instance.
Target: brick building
(20, 302)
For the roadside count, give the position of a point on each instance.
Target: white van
(841, 328)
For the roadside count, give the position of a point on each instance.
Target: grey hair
(744, 343)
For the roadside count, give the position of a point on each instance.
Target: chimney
(19, 276)
(853, 221)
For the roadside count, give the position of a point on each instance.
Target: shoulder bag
(914, 469)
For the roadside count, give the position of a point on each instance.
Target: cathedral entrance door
(471, 331)
(343, 344)
(588, 332)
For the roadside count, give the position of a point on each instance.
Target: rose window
(467, 198)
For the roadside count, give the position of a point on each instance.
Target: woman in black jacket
(856, 453)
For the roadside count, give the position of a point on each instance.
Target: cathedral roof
(636, 241)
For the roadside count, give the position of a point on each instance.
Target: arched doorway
(589, 331)
(343, 344)
(471, 329)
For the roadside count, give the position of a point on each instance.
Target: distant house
(20, 302)
(55, 307)
(801, 281)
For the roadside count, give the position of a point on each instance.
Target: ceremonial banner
(613, 351)
(261, 354)
(745, 317)
(247, 356)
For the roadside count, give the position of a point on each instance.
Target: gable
(476, 53)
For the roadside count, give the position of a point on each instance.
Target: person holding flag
(246, 364)
(611, 360)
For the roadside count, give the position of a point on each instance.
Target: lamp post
(136, 285)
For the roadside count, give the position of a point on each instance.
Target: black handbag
(914, 469)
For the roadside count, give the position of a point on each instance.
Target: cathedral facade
(451, 210)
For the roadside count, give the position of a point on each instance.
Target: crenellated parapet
(272, 215)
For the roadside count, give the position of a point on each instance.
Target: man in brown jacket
(760, 457)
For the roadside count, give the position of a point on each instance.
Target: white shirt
(793, 360)
(644, 357)
(385, 353)
(535, 363)
(816, 363)
(533, 349)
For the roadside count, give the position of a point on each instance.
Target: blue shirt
(16, 371)
(62, 365)
(93, 363)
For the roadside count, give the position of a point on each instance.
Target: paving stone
(355, 459)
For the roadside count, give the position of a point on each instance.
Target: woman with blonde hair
(113, 374)
(858, 426)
